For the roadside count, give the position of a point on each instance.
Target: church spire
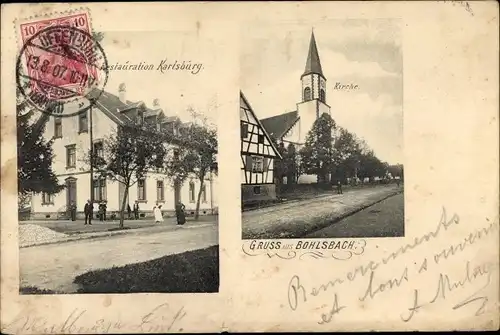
(313, 64)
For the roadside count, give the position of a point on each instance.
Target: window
(256, 190)
(169, 127)
(47, 199)
(322, 95)
(99, 149)
(160, 191)
(176, 154)
(141, 190)
(261, 138)
(70, 156)
(244, 130)
(257, 164)
(57, 127)
(140, 117)
(307, 94)
(99, 186)
(204, 193)
(83, 123)
(191, 192)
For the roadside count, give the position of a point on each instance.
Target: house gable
(257, 140)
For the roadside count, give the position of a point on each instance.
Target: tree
(194, 155)
(290, 159)
(396, 170)
(279, 169)
(34, 154)
(371, 166)
(349, 151)
(205, 140)
(317, 155)
(128, 154)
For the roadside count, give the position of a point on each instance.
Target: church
(292, 127)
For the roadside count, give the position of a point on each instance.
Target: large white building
(72, 143)
(292, 127)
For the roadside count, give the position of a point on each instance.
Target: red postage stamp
(60, 61)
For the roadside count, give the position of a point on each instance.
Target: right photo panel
(321, 130)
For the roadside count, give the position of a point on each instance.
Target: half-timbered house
(258, 154)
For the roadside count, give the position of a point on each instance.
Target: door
(70, 194)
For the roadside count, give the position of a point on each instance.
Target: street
(385, 219)
(298, 219)
(78, 226)
(54, 266)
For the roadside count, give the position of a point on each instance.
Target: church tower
(313, 100)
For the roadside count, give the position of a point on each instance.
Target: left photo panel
(117, 159)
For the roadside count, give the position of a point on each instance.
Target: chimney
(156, 104)
(122, 90)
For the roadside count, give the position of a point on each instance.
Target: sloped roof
(131, 105)
(150, 112)
(244, 100)
(313, 64)
(111, 105)
(170, 119)
(278, 125)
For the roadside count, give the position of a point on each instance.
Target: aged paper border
(451, 148)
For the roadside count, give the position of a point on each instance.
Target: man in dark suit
(89, 211)
(129, 211)
(136, 210)
(339, 187)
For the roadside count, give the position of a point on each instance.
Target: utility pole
(91, 136)
(211, 193)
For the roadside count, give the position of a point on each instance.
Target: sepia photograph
(321, 111)
(117, 161)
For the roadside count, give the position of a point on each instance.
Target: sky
(366, 53)
(177, 91)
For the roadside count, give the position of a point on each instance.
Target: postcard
(210, 167)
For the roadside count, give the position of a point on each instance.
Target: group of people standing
(179, 213)
(136, 210)
(89, 212)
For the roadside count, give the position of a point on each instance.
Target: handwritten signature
(162, 318)
(295, 286)
(446, 285)
(299, 293)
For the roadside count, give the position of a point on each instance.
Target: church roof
(313, 64)
(278, 125)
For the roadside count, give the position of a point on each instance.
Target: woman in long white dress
(158, 215)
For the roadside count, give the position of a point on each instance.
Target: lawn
(35, 290)
(189, 272)
(281, 226)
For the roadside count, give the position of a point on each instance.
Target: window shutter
(248, 163)
(266, 162)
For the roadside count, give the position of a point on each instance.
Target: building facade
(292, 127)
(258, 154)
(73, 137)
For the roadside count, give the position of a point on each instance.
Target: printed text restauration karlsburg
(163, 66)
